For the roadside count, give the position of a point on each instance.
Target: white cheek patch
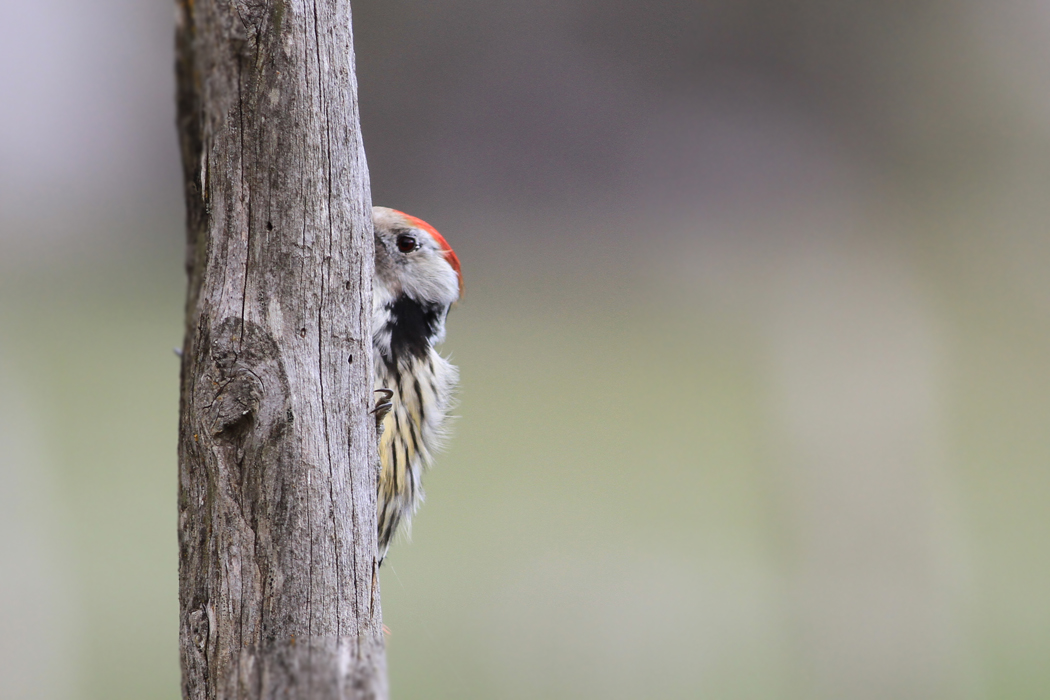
(432, 279)
(381, 294)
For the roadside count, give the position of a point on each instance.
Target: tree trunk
(278, 591)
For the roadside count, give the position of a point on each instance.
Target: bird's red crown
(450, 255)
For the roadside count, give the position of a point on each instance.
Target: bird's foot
(383, 406)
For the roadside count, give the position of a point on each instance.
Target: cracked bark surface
(278, 576)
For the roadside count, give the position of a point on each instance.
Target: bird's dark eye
(407, 243)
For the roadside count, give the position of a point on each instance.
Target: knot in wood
(241, 372)
(236, 402)
(198, 628)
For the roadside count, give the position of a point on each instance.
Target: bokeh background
(755, 346)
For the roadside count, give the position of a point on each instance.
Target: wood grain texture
(278, 590)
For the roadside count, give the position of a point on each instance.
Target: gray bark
(278, 591)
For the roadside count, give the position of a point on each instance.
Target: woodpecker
(417, 280)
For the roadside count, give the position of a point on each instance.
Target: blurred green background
(755, 347)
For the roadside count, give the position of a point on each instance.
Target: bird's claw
(383, 405)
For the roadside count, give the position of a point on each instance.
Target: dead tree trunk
(278, 578)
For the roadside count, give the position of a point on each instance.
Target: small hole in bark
(350, 359)
(302, 332)
(347, 285)
(269, 226)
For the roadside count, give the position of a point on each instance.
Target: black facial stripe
(412, 325)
